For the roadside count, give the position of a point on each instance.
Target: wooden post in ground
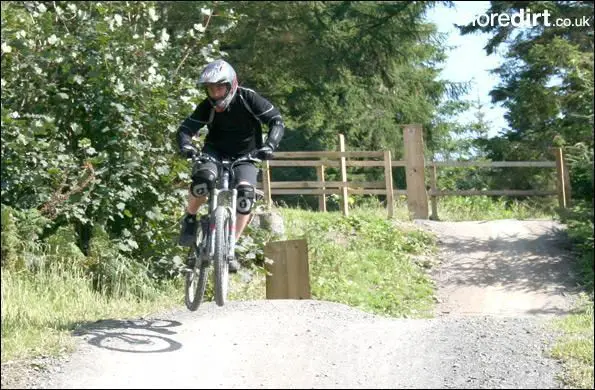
(322, 197)
(567, 186)
(266, 184)
(288, 276)
(388, 179)
(562, 178)
(344, 196)
(417, 196)
(434, 198)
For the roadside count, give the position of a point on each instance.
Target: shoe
(188, 230)
(190, 261)
(234, 266)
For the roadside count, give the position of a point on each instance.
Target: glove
(189, 151)
(264, 153)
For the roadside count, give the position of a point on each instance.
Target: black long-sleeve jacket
(238, 129)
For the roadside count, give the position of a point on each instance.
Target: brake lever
(201, 157)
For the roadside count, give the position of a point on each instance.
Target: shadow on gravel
(521, 263)
(553, 311)
(135, 336)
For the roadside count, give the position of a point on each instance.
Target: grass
(477, 208)
(39, 310)
(461, 208)
(575, 347)
(364, 261)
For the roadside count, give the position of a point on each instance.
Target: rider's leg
(245, 181)
(246, 177)
(203, 178)
(244, 209)
(194, 203)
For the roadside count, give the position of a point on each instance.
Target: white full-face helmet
(220, 72)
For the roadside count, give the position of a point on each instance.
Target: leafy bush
(579, 221)
(21, 249)
(92, 94)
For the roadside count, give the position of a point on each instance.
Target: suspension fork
(224, 187)
(232, 228)
(227, 177)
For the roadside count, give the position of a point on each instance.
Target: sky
(467, 61)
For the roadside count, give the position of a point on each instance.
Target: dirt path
(502, 268)
(498, 282)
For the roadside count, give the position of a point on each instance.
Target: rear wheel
(222, 221)
(196, 277)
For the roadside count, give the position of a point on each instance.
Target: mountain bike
(215, 236)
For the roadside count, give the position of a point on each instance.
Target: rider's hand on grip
(189, 151)
(264, 153)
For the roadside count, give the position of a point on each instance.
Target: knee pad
(203, 179)
(246, 197)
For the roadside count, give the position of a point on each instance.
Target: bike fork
(232, 233)
(213, 200)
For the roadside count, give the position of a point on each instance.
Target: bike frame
(222, 202)
(222, 191)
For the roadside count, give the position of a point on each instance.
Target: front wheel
(222, 221)
(196, 278)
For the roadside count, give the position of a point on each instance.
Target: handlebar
(202, 157)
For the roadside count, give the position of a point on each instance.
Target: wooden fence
(417, 192)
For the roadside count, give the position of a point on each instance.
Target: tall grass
(459, 208)
(575, 347)
(477, 208)
(39, 309)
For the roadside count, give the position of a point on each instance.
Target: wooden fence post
(388, 179)
(417, 196)
(567, 186)
(344, 196)
(266, 184)
(322, 197)
(289, 272)
(562, 176)
(434, 198)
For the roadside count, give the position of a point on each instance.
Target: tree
(546, 84)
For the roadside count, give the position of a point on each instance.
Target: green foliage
(579, 158)
(547, 87)
(115, 274)
(575, 347)
(21, 249)
(40, 310)
(580, 229)
(485, 208)
(355, 68)
(365, 261)
(92, 94)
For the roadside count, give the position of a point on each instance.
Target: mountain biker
(233, 116)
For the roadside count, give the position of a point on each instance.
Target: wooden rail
(417, 193)
(562, 179)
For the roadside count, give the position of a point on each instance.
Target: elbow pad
(275, 133)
